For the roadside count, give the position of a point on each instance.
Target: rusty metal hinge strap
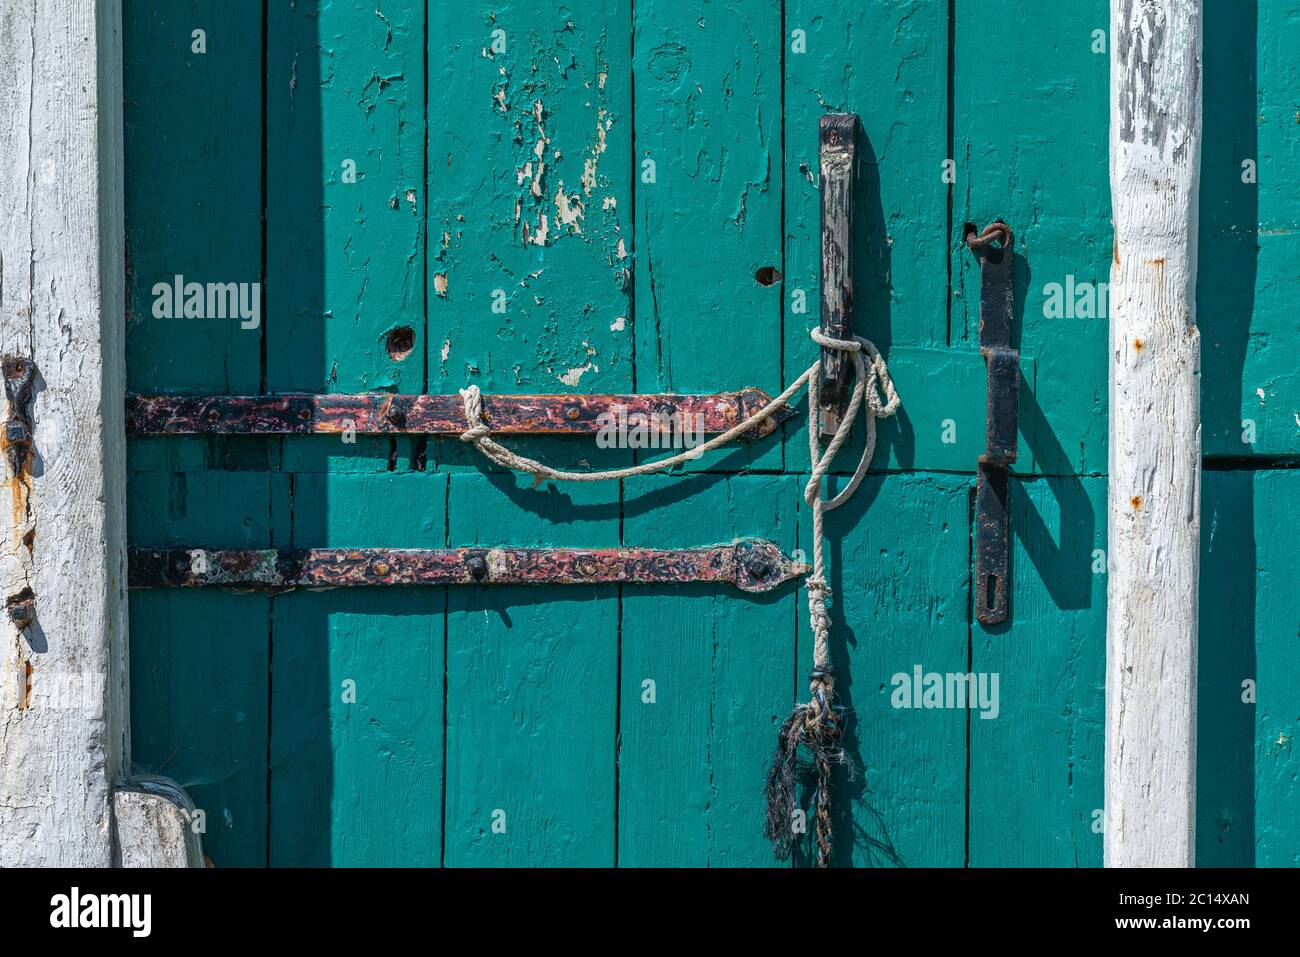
(379, 413)
(753, 565)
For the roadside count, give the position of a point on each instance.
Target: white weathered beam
(64, 736)
(1155, 435)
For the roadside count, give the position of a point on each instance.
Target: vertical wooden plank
(1249, 230)
(1247, 704)
(1154, 462)
(1022, 95)
(357, 674)
(899, 558)
(708, 189)
(532, 678)
(62, 543)
(344, 164)
(199, 658)
(1036, 756)
(705, 679)
(193, 80)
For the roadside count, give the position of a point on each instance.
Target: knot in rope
(473, 399)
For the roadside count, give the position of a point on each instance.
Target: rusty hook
(994, 230)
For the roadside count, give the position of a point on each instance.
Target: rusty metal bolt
(572, 413)
(477, 566)
(381, 568)
(757, 566)
(22, 608)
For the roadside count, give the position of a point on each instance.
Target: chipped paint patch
(619, 324)
(568, 209)
(574, 375)
(440, 283)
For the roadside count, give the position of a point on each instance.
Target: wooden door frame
(67, 795)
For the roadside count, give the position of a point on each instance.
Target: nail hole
(767, 275)
(400, 342)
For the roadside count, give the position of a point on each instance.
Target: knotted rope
(818, 725)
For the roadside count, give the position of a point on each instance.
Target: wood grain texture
(1155, 436)
(64, 729)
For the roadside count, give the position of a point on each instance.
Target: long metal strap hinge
(753, 565)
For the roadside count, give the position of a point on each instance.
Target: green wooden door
(607, 197)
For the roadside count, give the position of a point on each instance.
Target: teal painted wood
(707, 289)
(1031, 115)
(1247, 759)
(899, 568)
(1249, 231)
(344, 167)
(541, 683)
(1036, 760)
(532, 680)
(199, 659)
(193, 145)
(897, 86)
(357, 706)
(695, 743)
(529, 185)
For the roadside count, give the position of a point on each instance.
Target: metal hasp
(20, 378)
(992, 519)
(442, 414)
(753, 565)
(838, 135)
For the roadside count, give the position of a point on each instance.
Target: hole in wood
(401, 341)
(767, 275)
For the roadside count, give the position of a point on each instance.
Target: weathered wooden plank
(1036, 756)
(193, 80)
(705, 680)
(356, 686)
(1155, 436)
(344, 163)
(529, 187)
(1249, 249)
(899, 558)
(199, 660)
(531, 688)
(707, 281)
(64, 734)
(1014, 94)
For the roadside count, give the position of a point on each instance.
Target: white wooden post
(1155, 435)
(65, 794)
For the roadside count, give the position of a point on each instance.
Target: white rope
(873, 387)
